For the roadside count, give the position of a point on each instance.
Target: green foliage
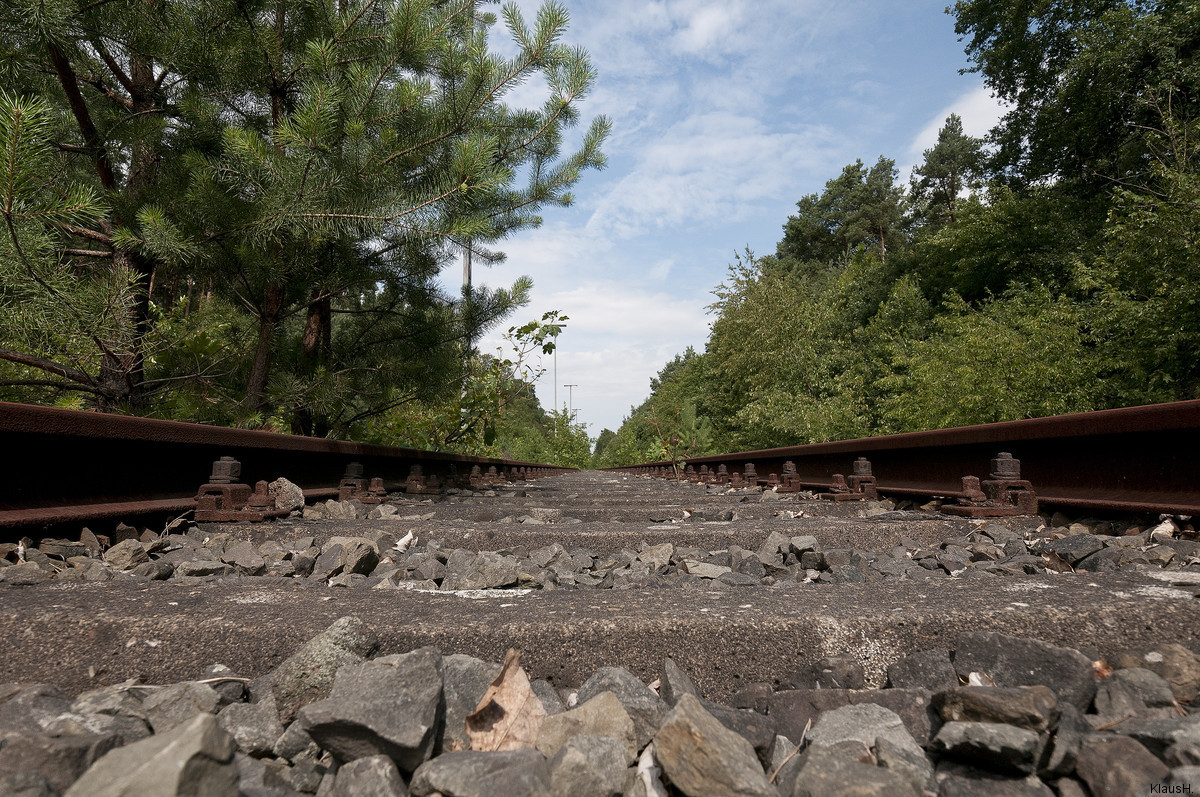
(282, 184)
(952, 167)
(1024, 355)
(491, 409)
(1007, 237)
(859, 209)
(68, 323)
(1147, 281)
(603, 441)
(1073, 71)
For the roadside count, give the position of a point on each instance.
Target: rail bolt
(354, 470)
(260, 500)
(972, 492)
(226, 470)
(862, 467)
(1005, 467)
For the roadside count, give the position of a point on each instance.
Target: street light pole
(560, 326)
(570, 399)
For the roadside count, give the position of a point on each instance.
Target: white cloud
(661, 270)
(725, 112)
(617, 337)
(709, 29)
(709, 166)
(979, 111)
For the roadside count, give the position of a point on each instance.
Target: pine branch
(47, 383)
(83, 118)
(83, 232)
(79, 377)
(117, 72)
(85, 253)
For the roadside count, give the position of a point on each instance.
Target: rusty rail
(68, 467)
(1138, 459)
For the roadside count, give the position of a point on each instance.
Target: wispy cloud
(725, 112)
(979, 111)
(709, 166)
(615, 340)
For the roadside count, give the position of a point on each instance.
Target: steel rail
(1138, 459)
(68, 467)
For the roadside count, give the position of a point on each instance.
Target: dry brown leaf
(1057, 563)
(510, 715)
(1101, 668)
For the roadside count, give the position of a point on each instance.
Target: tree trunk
(268, 319)
(315, 351)
(122, 373)
(315, 346)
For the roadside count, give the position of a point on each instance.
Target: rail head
(67, 465)
(1135, 459)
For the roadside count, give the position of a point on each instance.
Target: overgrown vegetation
(235, 212)
(1050, 268)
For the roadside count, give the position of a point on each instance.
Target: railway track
(1139, 459)
(65, 467)
(754, 594)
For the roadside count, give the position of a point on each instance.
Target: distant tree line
(1052, 267)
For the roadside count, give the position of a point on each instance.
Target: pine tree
(950, 168)
(313, 163)
(860, 208)
(110, 75)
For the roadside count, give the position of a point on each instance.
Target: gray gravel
(922, 653)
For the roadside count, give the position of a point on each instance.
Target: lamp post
(570, 399)
(560, 327)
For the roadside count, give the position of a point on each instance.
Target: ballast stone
(465, 680)
(864, 723)
(1017, 661)
(126, 555)
(927, 669)
(254, 726)
(178, 704)
(1031, 707)
(376, 776)
(390, 706)
(589, 766)
(643, 706)
(308, 674)
(603, 715)
(1117, 765)
(846, 769)
(60, 760)
(702, 757)
(192, 759)
(287, 495)
(470, 773)
(1005, 749)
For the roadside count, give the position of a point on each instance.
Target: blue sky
(724, 114)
